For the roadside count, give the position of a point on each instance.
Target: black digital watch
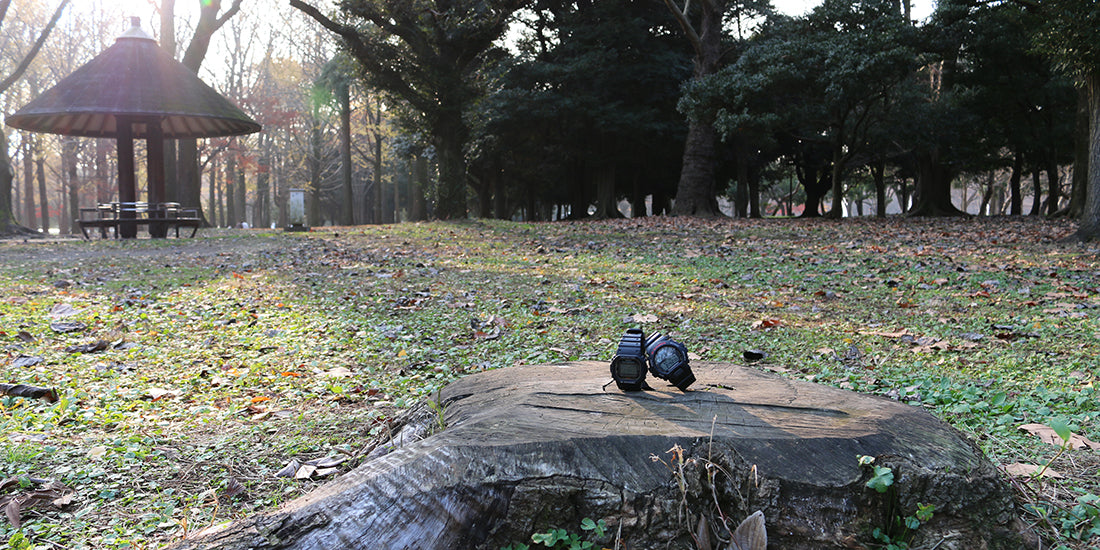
(628, 366)
(668, 360)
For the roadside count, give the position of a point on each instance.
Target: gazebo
(134, 90)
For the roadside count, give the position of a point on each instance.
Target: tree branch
(4, 9)
(361, 52)
(681, 17)
(208, 24)
(228, 14)
(18, 72)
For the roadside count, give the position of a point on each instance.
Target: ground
(226, 357)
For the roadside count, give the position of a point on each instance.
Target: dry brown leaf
(338, 372)
(1047, 435)
(892, 335)
(14, 513)
(1019, 469)
(764, 324)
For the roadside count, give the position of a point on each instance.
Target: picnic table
(124, 218)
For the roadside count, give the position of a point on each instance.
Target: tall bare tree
(211, 18)
(8, 224)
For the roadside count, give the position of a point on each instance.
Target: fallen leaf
(892, 335)
(1019, 469)
(764, 324)
(25, 361)
(96, 452)
(66, 327)
(91, 347)
(156, 394)
(328, 461)
(61, 311)
(290, 469)
(1047, 435)
(33, 392)
(12, 510)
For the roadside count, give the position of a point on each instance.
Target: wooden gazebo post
(127, 186)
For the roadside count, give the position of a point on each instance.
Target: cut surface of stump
(521, 450)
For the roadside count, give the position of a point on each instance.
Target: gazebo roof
(136, 79)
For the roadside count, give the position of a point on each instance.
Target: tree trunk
(262, 211)
(837, 178)
(212, 194)
(241, 200)
(103, 191)
(579, 193)
(695, 194)
(172, 168)
(1054, 185)
(44, 202)
(816, 183)
(378, 207)
(449, 134)
(1016, 200)
(1037, 193)
(934, 187)
(8, 225)
(511, 452)
(741, 194)
(188, 179)
(987, 194)
(754, 192)
(1090, 214)
(29, 210)
(878, 172)
(500, 197)
(347, 216)
(1081, 144)
(68, 155)
(313, 206)
(419, 187)
(606, 206)
(230, 193)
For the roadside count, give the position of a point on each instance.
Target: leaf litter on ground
(237, 354)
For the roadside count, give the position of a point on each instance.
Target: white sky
(921, 8)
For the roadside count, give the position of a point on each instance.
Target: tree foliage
(426, 52)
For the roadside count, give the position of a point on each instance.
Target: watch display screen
(667, 358)
(629, 369)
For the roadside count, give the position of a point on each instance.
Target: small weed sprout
(561, 539)
(899, 531)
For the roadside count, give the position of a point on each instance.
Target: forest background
(566, 110)
(545, 110)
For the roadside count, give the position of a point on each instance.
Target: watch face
(629, 369)
(667, 358)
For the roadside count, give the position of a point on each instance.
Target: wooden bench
(158, 218)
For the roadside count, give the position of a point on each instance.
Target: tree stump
(519, 450)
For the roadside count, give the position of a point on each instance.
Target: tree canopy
(548, 109)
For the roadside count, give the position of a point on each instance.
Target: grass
(231, 354)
